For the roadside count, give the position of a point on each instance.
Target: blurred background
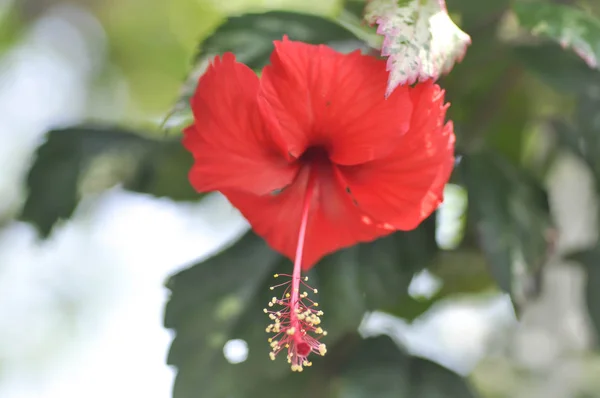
(81, 310)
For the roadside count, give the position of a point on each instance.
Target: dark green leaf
(566, 25)
(75, 160)
(250, 37)
(372, 276)
(580, 135)
(379, 369)
(460, 271)
(557, 68)
(90, 159)
(590, 259)
(511, 214)
(164, 172)
(476, 15)
(592, 293)
(478, 89)
(586, 129)
(350, 282)
(211, 303)
(370, 368)
(430, 380)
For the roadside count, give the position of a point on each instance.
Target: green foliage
(568, 74)
(250, 36)
(566, 25)
(90, 159)
(235, 287)
(498, 95)
(511, 215)
(590, 260)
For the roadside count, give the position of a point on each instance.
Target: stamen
(295, 318)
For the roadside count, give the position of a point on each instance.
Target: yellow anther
(265, 310)
(296, 368)
(322, 349)
(318, 331)
(315, 291)
(324, 332)
(306, 279)
(320, 313)
(316, 304)
(272, 287)
(272, 316)
(291, 331)
(276, 276)
(270, 304)
(272, 356)
(287, 346)
(287, 295)
(269, 339)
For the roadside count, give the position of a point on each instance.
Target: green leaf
(476, 15)
(84, 160)
(213, 302)
(580, 135)
(431, 380)
(350, 282)
(373, 276)
(250, 37)
(164, 172)
(379, 369)
(460, 271)
(369, 368)
(421, 41)
(562, 71)
(477, 89)
(510, 211)
(590, 259)
(568, 26)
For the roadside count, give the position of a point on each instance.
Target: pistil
(296, 317)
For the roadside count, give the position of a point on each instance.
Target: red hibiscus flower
(316, 159)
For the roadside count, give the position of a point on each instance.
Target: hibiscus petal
(334, 222)
(403, 189)
(231, 146)
(324, 98)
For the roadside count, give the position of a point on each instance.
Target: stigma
(295, 317)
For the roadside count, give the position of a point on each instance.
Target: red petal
(404, 188)
(324, 98)
(231, 146)
(334, 221)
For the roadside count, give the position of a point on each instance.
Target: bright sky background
(81, 314)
